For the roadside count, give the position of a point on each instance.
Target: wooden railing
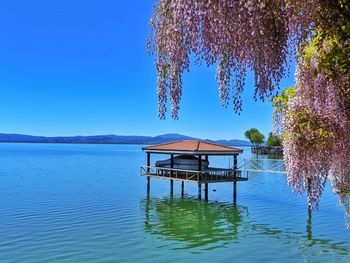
(205, 176)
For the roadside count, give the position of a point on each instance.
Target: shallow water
(87, 203)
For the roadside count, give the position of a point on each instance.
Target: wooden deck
(266, 150)
(211, 175)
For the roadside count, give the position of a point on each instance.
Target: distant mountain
(111, 139)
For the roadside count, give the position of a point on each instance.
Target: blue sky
(81, 67)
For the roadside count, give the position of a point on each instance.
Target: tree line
(257, 138)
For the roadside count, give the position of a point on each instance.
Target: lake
(87, 203)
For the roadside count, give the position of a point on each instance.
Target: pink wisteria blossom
(317, 125)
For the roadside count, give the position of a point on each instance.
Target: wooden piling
(308, 195)
(235, 178)
(171, 175)
(199, 190)
(199, 177)
(206, 191)
(309, 211)
(148, 172)
(171, 187)
(206, 183)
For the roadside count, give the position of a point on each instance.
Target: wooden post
(148, 172)
(206, 183)
(182, 188)
(308, 195)
(235, 178)
(309, 225)
(309, 212)
(199, 191)
(199, 177)
(147, 209)
(206, 191)
(171, 175)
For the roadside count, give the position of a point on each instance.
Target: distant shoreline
(64, 143)
(111, 143)
(112, 139)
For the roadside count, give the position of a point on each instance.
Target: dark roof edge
(238, 151)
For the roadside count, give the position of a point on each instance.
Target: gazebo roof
(192, 147)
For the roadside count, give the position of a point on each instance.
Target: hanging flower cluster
(237, 36)
(317, 134)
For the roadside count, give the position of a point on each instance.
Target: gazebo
(189, 162)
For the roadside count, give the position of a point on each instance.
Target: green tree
(273, 140)
(254, 136)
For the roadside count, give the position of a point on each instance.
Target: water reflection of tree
(193, 222)
(197, 224)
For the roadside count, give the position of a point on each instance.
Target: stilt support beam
(235, 178)
(199, 191)
(308, 195)
(171, 187)
(171, 175)
(200, 177)
(206, 191)
(309, 211)
(148, 171)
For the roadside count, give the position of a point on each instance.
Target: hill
(110, 139)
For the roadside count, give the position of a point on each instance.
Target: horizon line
(111, 134)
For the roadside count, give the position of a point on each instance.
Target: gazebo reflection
(193, 223)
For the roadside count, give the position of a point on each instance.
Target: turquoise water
(87, 203)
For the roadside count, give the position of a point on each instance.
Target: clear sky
(74, 67)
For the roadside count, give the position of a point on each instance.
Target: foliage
(280, 107)
(254, 136)
(274, 140)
